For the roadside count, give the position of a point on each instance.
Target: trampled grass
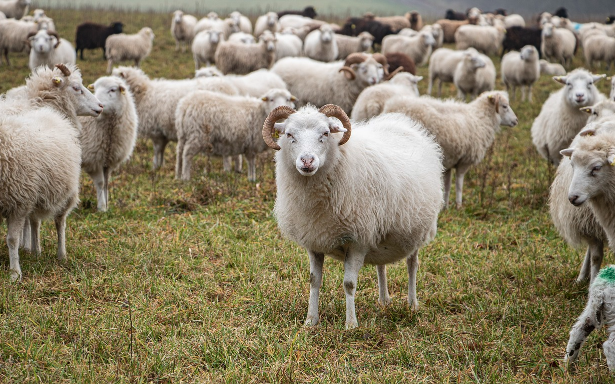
(191, 282)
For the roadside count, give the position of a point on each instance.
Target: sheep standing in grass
(321, 45)
(371, 101)
(350, 191)
(464, 131)
(49, 49)
(267, 22)
(555, 69)
(204, 47)
(15, 9)
(442, 66)
(241, 59)
(599, 48)
(418, 47)
(558, 44)
(40, 155)
(14, 36)
(108, 140)
(521, 69)
(474, 75)
(182, 29)
(129, 47)
(224, 126)
(287, 45)
(92, 35)
(560, 118)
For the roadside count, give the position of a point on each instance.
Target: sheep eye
(326, 134)
(595, 169)
(288, 135)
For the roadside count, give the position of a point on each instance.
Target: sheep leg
(251, 159)
(459, 175)
(190, 150)
(160, 143)
(586, 267)
(6, 56)
(99, 183)
(596, 249)
(197, 63)
(448, 175)
(35, 235)
(226, 163)
(439, 87)
(430, 85)
(590, 319)
(26, 241)
(15, 225)
(352, 264)
(316, 262)
(60, 222)
(238, 163)
(107, 177)
(383, 289)
(412, 262)
(179, 151)
(609, 351)
(109, 65)
(137, 62)
(529, 93)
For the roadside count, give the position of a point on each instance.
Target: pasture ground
(191, 282)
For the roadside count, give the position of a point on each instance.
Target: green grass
(192, 282)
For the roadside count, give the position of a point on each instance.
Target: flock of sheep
(340, 180)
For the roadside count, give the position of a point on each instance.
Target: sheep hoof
(15, 276)
(61, 256)
(311, 321)
(386, 302)
(351, 324)
(414, 305)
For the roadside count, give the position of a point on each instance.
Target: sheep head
(580, 88)
(111, 91)
(43, 41)
(364, 68)
(503, 110)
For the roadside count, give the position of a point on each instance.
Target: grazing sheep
(442, 66)
(560, 118)
(398, 59)
(287, 45)
(418, 47)
(182, 29)
(266, 22)
(223, 125)
(415, 19)
(204, 47)
(321, 44)
(14, 9)
(371, 101)
(547, 68)
(487, 40)
(518, 37)
(464, 131)
(599, 48)
(320, 83)
(521, 69)
(308, 11)
(350, 194)
(354, 26)
(91, 36)
(108, 140)
(514, 20)
(129, 47)
(349, 44)
(49, 49)
(558, 44)
(449, 27)
(245, 25)
(14, 36)
(40, 155)
(241, 58)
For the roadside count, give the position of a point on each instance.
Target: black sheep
(91, 35)
(356, 25)
(561, 12)
(307, 12)
(610, 19)
(518, 37)
(398, 59)
(452, 15)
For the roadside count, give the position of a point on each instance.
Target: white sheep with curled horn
(343, 198)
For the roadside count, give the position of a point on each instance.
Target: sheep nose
(307, 161)
(580, 96)
(573, 199)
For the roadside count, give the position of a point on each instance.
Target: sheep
(241, 58)
(514, 20)
(452, 15)
(518, 37)
(182, 29)
(321, 45)
(558, 44)
(14, 36)
(15, 9)
(464, 131)
(49, 49)
(240, 37)
(296, 21)
(91, 36)
(449, 27)
(487, 40)
(474, 75)
(547, 68)
(371, 101)
(415, 19)
(350, 195)
(287, 45)
(418, 47)
(40, 155)
(437, 33)
(560, 119)
(108, 140)
(395, 22)
(156, 101)
(599, 48)
(257, 83)
(598, 311)
(521, 69)
(223, 125)
(245, 25)
(320, 83)
(266, 22)
(354, 26)
(308, 11)
(442, 66)
(204, 47)
(129, 47)
(348, 44)
(398, 59)
(208, 72)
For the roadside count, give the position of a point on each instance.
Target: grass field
(191, 282)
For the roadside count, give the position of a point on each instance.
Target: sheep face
(236, 16)
(529, 52)
(547, 30)
(38, 13)
(147, 31)
(503, 110)
(580, 89)
(212, 16)
(369, 72)
(272, 18)
(110, 91)
(269, 39)
(43, 43)
(428, 39)
(326, 34)
(177, 16)
(473, 61)
(366, 39)
(214, 36)
(117, 27)
(87, 104)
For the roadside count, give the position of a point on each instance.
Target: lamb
(321, 44)
(91, 35)
(371, 101)
(182, 29)
(351, 191)
(49, 49)
(14, 36)
(547, 68)
(156, 101)
(397, 60)
(129, 47)
(449, 28)
(443, 64)
(321, 83)
(223, 125)
(204, 47)
(347, 44)
(287, 45)
(108, 140)
(14, 9)
(308, 11)
(474, 75)
(240, 37)
(521, 69)
(415, 19)
(245, 25)
(518, 37)
(599, 48)
(487, 40)
(418, 48)
(266, 22)
(558, 44)
(241, 59)
(560, 118)
(464, 131)
(40, 155)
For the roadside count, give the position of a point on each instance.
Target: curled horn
(54, 34)
(395, 72)
(279, 113)
(379, 57)
(65, 71)
(332, 110)
(30, 35)
(354, 58)
(350, 72)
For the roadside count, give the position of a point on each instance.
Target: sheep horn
(349, 70)
(395, 72)
(279, 113)
(332, 110)
(354, 58)
(54, 34)
(30, 35)
(379, 57)
(65, 71)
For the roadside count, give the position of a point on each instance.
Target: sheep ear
(122, 90)
(335, 125)
(611, 157)
(280, 127)
(57, 81)
(495, 99)
(588, 132)
(419, 78)
(561, 79)
(587, 110)
(566, 152)
(597, 78)
(91, 87)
